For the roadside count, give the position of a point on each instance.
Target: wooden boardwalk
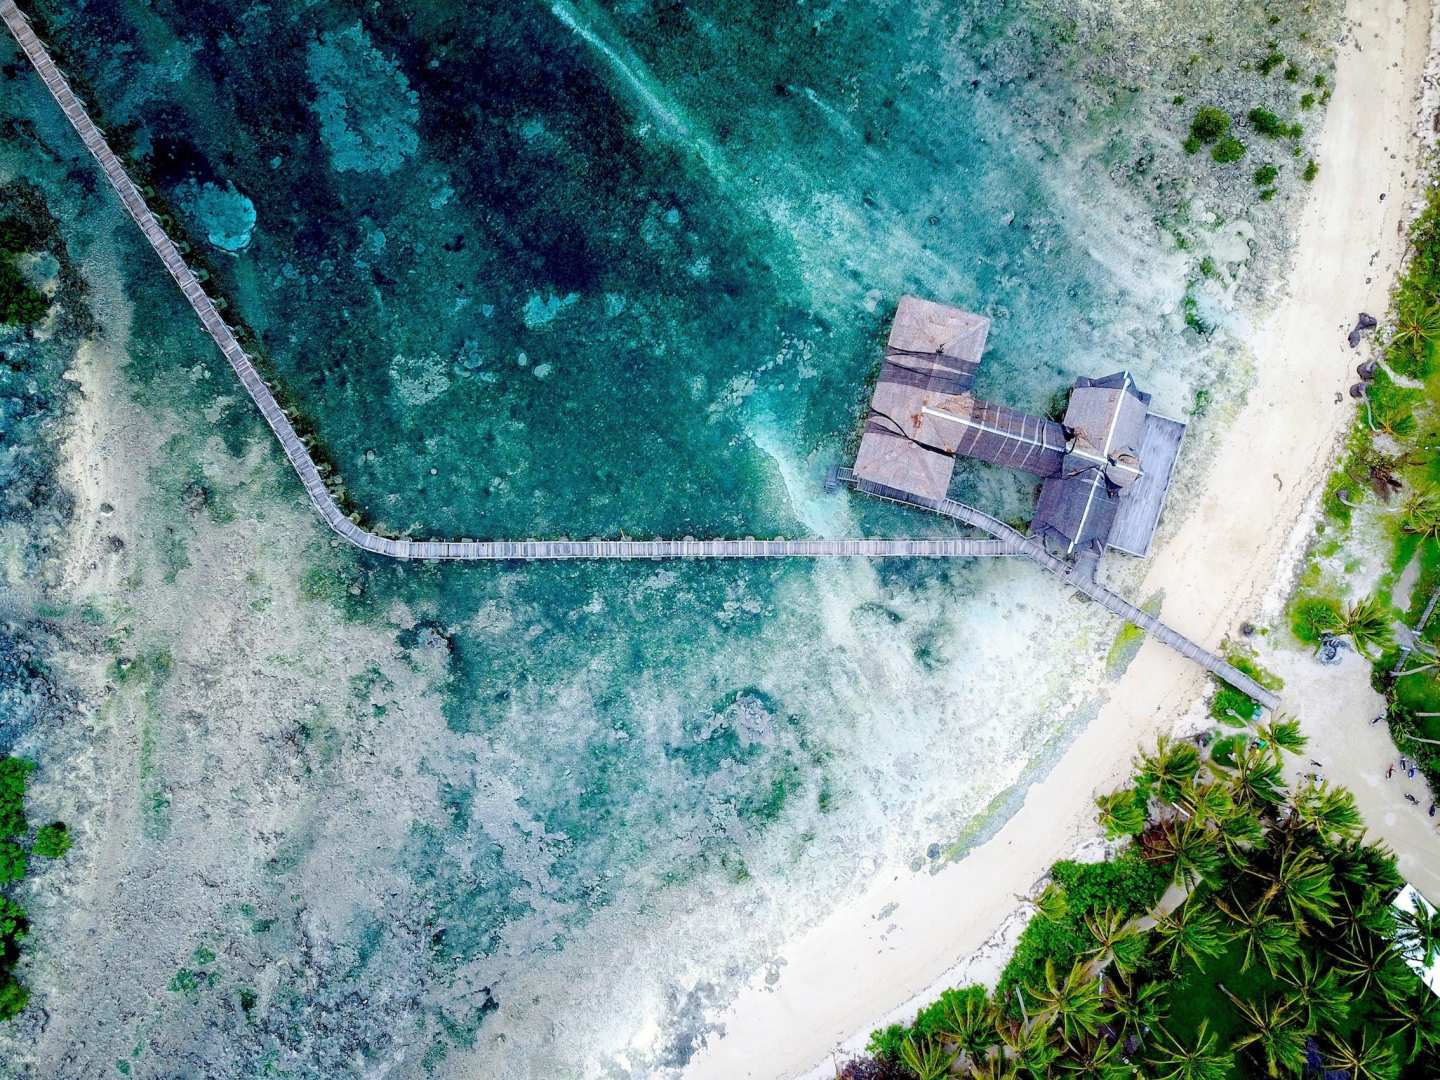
(1004, 540)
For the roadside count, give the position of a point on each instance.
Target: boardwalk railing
(1006, 541)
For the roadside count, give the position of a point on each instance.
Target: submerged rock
(364, 103)
(226, 216)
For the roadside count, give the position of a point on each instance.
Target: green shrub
(1228, 149)
(885, 1043)
(1192, 145)
(1272, 60)
(1126, 884)
(1233, 707)
(1266, 174)
(13, 771)
(53, 840)
(930, 1021)
(1268, 194)
(1266, 122)
(1315, 617)
(1312, 170)
(1209, 124)
(1292, 73)
(13, 863)
(1307, 101)
(13, 998)
(13, 924)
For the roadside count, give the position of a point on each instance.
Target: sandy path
(1335, 706)
(851, 970)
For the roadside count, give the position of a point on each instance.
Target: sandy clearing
(848, 973)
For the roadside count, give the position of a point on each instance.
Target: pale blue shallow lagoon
(582, 269)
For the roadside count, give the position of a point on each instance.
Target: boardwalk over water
(1004, 541)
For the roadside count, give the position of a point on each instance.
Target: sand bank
(858, 966)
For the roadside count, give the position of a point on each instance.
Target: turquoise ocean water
(574, 269)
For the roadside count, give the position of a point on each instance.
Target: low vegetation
(1389, 481)
(1242, 929)
(50, 842)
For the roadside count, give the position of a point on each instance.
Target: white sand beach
(857, 968)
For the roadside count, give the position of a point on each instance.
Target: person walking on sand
(1390, 771)
(1432, 809)
(1412, 798)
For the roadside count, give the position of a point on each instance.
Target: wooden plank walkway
(304, 465)
(1005, 540)
(1034, 550)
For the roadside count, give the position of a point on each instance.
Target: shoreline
(844, 976)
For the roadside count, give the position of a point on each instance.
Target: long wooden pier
(1004, 541)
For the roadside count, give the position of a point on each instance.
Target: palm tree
(994, 1067)
(1072, 1002)
(1206, 802)
(1266, 936)
(1390, 418)
(1238, 833)
(1367, 624)
(1100, 1059)
(1167, 770)
(1420, 515)
(1122, 813)
(1136, 1009)
(1306, 883)
(1368, 963)
(1415, 1019)
(1257, 780)
(1117, 942)
(1173, 1060)
(1420, 933)
(1028, 1048)
(1323, 1003)
(1283, 733)
(926, 1058)
(1273, 1031)
(1052, 903)
(1371, 1059)
(1416, 324)
(1330, 811)
(968, 1023)
(1191, 848)
(1192, 930)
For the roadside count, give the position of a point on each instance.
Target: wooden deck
(1140, 509)
(1004, 540)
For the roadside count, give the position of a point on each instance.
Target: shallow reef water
(576, 269)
